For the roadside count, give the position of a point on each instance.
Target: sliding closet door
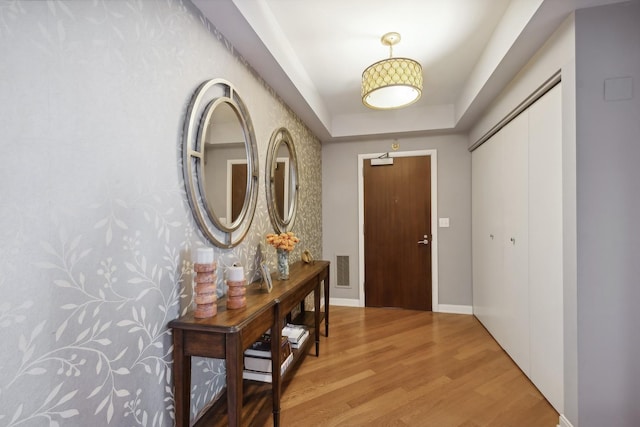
(500, 270)
(545, 243)
(515, 240)
(486, 225)
(479, 232)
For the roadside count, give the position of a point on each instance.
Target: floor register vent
(342, 270)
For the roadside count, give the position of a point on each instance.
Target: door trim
(434, 219)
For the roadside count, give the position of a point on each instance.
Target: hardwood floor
(390, 367)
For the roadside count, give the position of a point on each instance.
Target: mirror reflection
(282, 180)
(225, 165)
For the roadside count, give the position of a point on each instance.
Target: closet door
(481, 164)
(517, 242)
(545, 243)
(515, 245)
(479, 229)
(487, 231)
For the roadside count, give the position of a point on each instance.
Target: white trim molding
(564, 422)
(441, 308)
(345, 302)
(453, 309)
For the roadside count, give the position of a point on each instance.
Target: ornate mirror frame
(278, 138)
(207, 98)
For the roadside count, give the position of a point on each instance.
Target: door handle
(423, 242)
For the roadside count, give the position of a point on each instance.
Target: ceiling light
(391, 83)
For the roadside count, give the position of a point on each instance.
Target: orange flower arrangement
(286, 241)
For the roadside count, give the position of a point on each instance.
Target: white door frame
(434, 219)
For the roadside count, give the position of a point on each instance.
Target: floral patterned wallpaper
(95, 230)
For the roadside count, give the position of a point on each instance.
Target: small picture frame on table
(266, 276)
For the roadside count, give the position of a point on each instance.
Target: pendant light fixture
(391, 83)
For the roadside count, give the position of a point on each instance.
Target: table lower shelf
(307, 319)
(256, 407)
(257, 398)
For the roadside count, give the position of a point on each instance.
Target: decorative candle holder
(205, 284)
(237, 290)
(205, 297)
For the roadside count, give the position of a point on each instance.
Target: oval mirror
(220, 163)
(281, 181)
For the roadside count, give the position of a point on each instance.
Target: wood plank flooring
(391, 367)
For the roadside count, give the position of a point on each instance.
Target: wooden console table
(230, 332)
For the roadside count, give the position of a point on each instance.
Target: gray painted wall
(608, 202)
(340, 210)
(95, 230)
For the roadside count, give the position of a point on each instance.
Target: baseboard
(442, 308)
(454, 309)
(345, 302)
(564, 422)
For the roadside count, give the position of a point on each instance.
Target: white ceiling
(313, 52)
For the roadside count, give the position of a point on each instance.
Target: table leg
(181, 379)
(326, 303)
(234, 379)
(276, 363)
(316, 316)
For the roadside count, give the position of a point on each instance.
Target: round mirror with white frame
(220, 163)
(281, 180)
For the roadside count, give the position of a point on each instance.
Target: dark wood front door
(397, 215)
(278, 178)
(238, 189)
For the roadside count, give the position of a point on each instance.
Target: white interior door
(488, 296)
(515, 242)
(481, 209)
(495, 221)
(545, 242)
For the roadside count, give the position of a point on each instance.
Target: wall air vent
(342, 271)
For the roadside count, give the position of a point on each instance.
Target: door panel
(517, 284)
(238, 189)
(500, 238)
(494, 237)
(279, 193)
(397, 214)
(481, 234)
(545, 261)
(515, 243)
